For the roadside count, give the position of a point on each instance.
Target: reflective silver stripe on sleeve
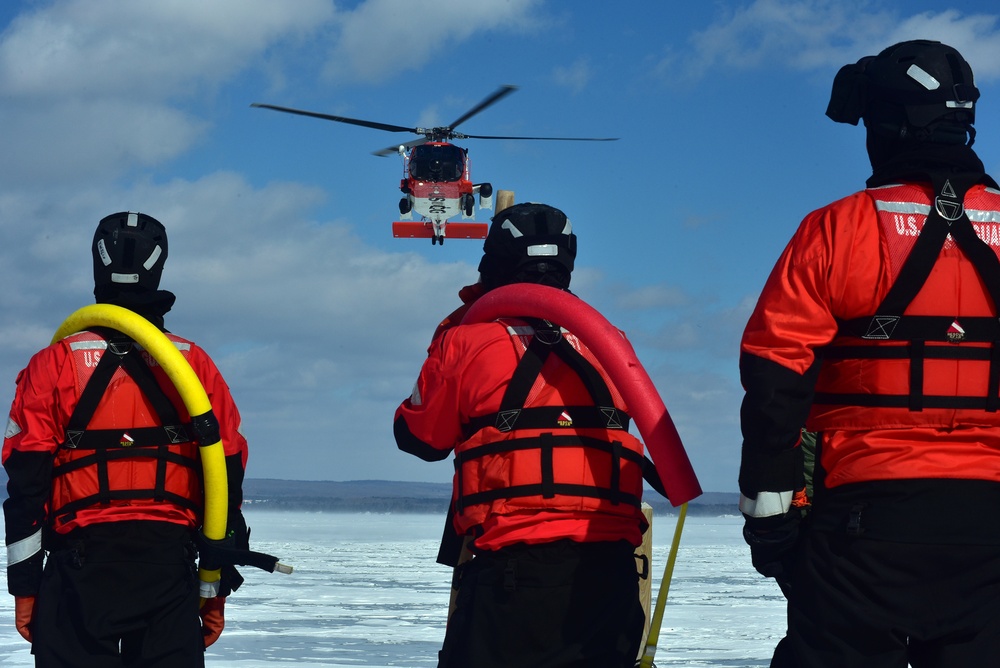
(767, 504)
(24, 549)
(13, 428)
(209, 589)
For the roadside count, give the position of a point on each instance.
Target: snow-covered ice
(366, 591)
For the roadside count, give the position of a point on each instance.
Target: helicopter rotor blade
(339, 119)
(394, 149)
(498, 95)
(539, 138)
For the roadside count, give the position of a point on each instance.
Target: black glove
(772, 542)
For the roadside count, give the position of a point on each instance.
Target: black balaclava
(129, 250)
(917, 99)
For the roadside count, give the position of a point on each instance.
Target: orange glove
(24, 610)
(213, 618)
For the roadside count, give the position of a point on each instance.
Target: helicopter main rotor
(437, 134)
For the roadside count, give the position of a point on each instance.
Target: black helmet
(528, 243)
(907, 89)
(129, 251)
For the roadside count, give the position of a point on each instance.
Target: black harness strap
(122, 355)
(109, 445)
(512, 414)
(518, 491)
(946, 217)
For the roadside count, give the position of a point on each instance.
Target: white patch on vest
(13, 429)
(415, 396)
(923, 78)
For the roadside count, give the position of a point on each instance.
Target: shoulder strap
(548, 339)
(947, 217)
(121, 354)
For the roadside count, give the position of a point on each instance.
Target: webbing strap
(521, 491)
(107, 444)
(121, 353)
(946, 218)
(525, 374)
(547, 443)
(547, 417)
(126, 495)
(115, 454)
(512, 412)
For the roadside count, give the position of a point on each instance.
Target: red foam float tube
(616, 355)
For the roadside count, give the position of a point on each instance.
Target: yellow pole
(661, 597)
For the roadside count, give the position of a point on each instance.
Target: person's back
(104, 476)
(877, 329)
(547, 484)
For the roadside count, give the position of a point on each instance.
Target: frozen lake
(367, 592)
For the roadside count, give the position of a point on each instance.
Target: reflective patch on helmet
(923, 77)
(507, 225)
(133, 220)
(13, 429)
(102, 251)
(124, 278)
(543, 250)
(153, 257)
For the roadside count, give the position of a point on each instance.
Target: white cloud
(383, 38)
(90, 87)
(93, 48)
(574, 77)
(824, 34)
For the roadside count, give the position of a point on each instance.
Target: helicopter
(436, 184)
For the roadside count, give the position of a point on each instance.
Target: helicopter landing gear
(468, 205)
(437, 239)
(404, 206)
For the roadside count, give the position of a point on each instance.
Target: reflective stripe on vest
(915, 233)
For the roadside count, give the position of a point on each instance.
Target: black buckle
(854, 527)
(510, 575)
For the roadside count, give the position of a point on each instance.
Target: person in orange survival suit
(104, 477)
(878, 330)
(548, 485)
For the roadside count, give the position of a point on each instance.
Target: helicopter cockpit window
(437, 162)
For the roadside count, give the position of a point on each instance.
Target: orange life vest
(930, 354)
(549, 447)
(128, 452)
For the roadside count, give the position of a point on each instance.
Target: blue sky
(281, 254)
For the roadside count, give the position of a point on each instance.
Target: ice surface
(366, 591)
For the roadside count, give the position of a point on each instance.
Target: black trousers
(556, 605)
(864, 603)
(120, 595)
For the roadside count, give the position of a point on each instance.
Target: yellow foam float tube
(166, 354)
